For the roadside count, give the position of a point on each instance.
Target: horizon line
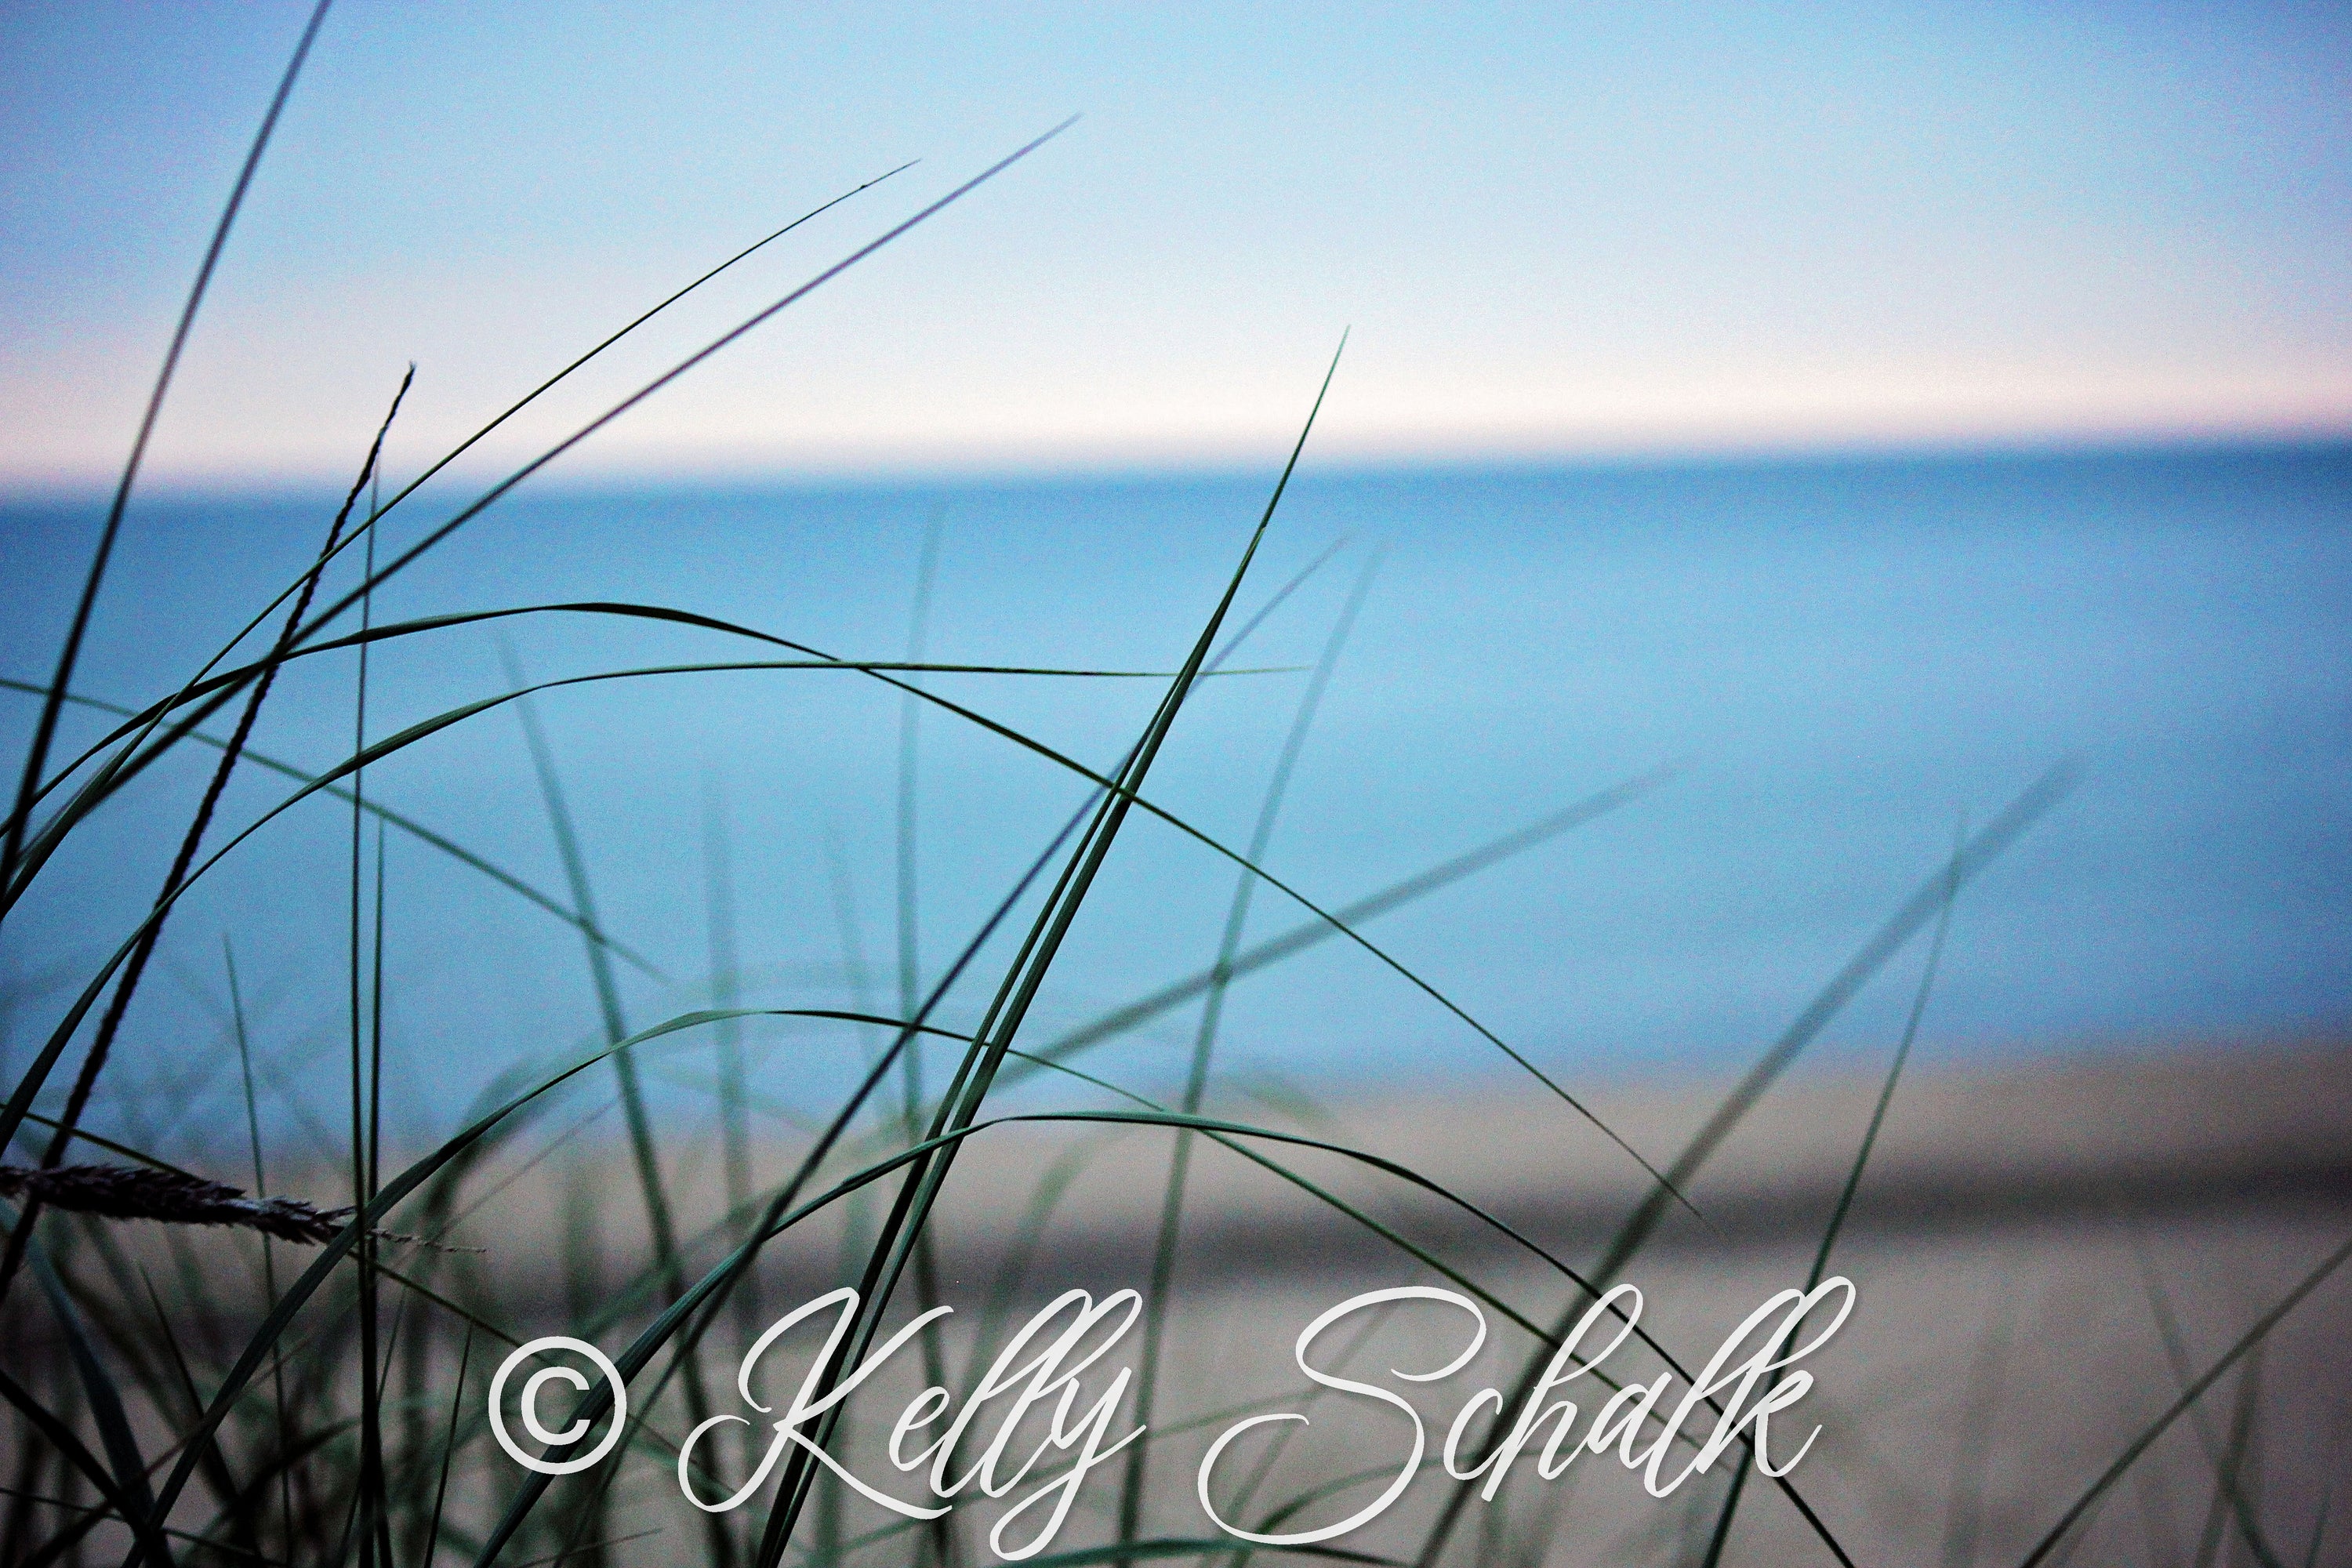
(1212, 462)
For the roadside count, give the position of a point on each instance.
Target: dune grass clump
(197, 1375)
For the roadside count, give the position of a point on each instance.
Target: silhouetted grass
(227, 1412)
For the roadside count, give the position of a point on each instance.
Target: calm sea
(1850, 658)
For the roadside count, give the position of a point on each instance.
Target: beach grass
(199, 1374)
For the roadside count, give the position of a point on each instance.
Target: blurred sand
(2005, 1348)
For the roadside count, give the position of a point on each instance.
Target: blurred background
(1859, 410)
(1863, 407)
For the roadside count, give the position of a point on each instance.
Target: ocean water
(1848, 660)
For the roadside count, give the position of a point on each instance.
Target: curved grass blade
(216, 693)
(409, 825)
(373, 578)
(944, 1543)
(231, 680)
(2175, 1354)
(368, 1495)
(880, 670)
(1222, 1133)
(1127, 793)
(466, 445)
(534, 395)
(44, 1061)
(1397, 895)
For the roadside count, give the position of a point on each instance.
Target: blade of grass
(726, 974)
(910, 712)
(2175, 1353)
(496, 492)
(384, 814)
(1310, 933)
(449, 1448)
(368, 1495)
(940, 1533)
(1222, 1134)
(1722, 1532)
(2212, 1538)
(1924, 905)
(45, 730)
(111, 1024)
(1196, 1082)
(21, 814)
(1006, 1014)
(372, 1245)
(215, 1463)
(651, 1186)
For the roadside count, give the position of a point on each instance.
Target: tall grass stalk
(53, 704)
(1196, 1078)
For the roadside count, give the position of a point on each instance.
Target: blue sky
(1554, 230)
